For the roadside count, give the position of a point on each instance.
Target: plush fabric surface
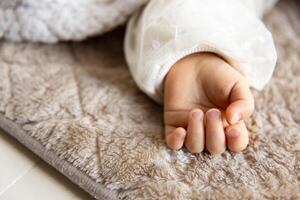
(76, 106)
(56, 20)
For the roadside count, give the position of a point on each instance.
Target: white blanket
(56, 20)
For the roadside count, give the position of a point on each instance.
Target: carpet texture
(76, 106)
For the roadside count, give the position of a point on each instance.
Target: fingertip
(180, 133)
(233, 118)
(238, 111)
(217, 152)
(241, 103)
(237, 137)
(176, 138)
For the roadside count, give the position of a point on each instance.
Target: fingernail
(233, 133)
(236, 118)
(213, 114)
(196, 114)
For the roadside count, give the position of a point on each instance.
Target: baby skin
(205, 103)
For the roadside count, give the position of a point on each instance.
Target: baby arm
(166, 47)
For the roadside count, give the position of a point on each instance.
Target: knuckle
(223, 91)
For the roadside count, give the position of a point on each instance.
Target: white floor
(25, 176)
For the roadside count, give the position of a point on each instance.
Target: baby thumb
(241, 103)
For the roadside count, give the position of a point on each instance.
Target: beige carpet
(76, 106)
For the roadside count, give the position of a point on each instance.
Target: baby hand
(205, 103)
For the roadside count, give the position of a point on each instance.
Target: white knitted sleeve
(167, 30)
